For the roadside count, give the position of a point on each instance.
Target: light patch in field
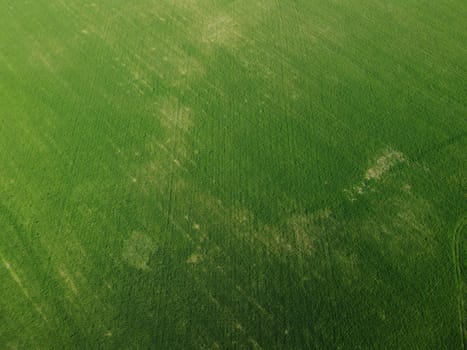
(153, 176)
(297, 236)
(347, 266)
(413, 214)
(46, 55)
(242, 216)
(159, 176)
(179, 68)
(140, 78)
(137, 250)
(306, 229)
(403, 226)
(302, 226)
(171, 63)
(381, 167)
(221, 30)
(273, 240)
(194, 259)
(176, 121)
(383, 164)
(12, 346)
(168, 152)
(174, 117)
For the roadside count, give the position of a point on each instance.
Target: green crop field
(233, 174)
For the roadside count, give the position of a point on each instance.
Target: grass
(232, 174)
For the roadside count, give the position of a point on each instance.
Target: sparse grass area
(200, 174)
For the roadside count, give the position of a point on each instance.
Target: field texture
(233, 174)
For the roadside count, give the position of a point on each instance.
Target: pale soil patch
(381, 167)
(297, 237)
(307, 229)
(303, 227)
(48, 55)
(159, 176)
(179, 68)
(194, 258)
(172, 64)
(12, 346)
(221, 30)
(137, 250)
(176, 121)
(403, 226)
(242, 216)
(347, 266)
(274, 240)
(383, 164)
(168, 153)
(174, 117)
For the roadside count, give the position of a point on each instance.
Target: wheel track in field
(456, 256)
(9, 219)
(34, 267)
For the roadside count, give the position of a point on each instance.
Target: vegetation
(200, 174)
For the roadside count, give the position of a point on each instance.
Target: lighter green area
(247, 174)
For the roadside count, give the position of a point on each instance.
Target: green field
(243, 174)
